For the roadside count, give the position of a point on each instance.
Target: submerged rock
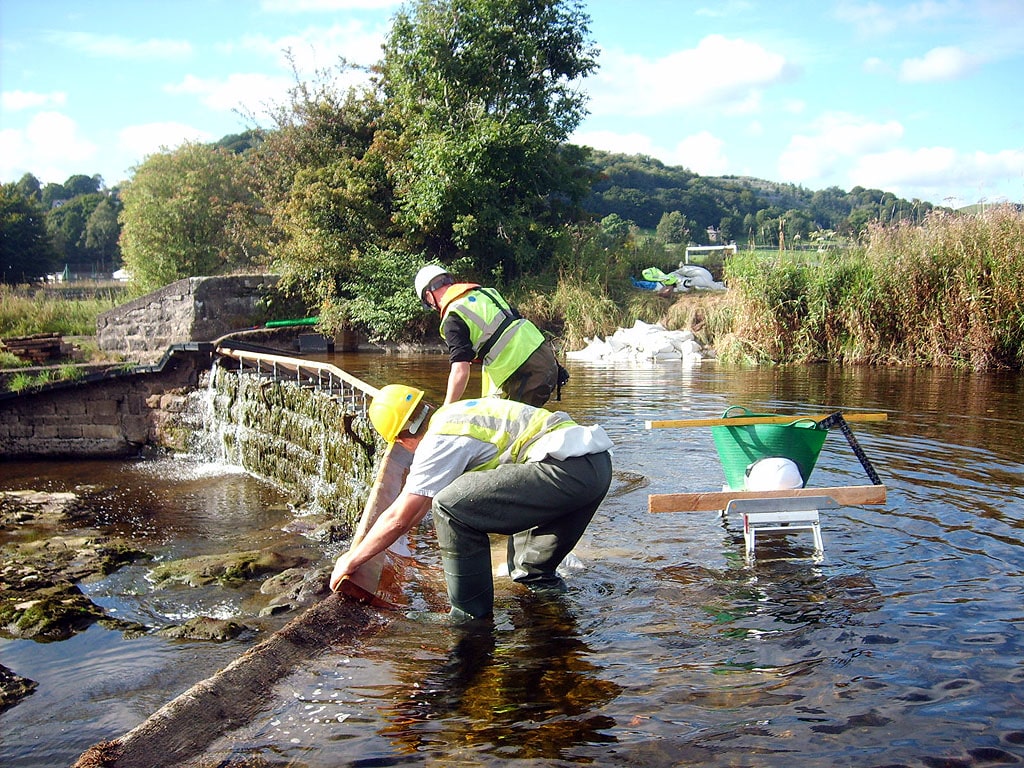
(229, 568)
(13, 688)
(39, 598)
(204, 628)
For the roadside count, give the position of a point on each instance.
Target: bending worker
(477, 324)
(487, 466)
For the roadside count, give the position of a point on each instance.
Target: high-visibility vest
(501, 339)
(509, 426)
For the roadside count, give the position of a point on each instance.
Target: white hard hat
(773, 474)
(425, 277)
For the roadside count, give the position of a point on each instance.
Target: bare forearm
(407, 510)
(458, 378)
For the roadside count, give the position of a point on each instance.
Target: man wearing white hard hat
(487, 466)
(478, 325)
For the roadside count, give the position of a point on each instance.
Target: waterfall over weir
(298, 424)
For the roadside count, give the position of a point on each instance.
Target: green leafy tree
(26, 252)
(29, 186)
(66, 224)
(484, 94)
(102, 232)
(80, 184)
(53, 193)
(674, 228)
(186, 213)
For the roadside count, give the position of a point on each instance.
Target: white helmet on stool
(774, 473)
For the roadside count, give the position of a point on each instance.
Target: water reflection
(903, 647)
(527, 690)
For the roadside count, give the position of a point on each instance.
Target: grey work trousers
(543, 507)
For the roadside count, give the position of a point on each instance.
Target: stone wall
(109, 415)
(302, 439)
(192, 309)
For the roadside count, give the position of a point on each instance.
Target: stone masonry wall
(192, 309)
(115, 416)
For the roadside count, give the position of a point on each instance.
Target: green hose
(297, 321)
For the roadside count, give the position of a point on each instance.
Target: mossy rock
(13, 688)
(204, 628)
(54, 613)
(228, 569)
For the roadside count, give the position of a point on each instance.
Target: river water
(903, 646)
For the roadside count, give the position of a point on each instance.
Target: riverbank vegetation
(946, 292)
(463, 159)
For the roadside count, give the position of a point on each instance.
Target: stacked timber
(40, 349)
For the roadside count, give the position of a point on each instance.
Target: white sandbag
(644, 342)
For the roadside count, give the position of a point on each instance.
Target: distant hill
(642, 189)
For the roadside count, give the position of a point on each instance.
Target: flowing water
(903, 646)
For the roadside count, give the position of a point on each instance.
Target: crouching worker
(487, 466)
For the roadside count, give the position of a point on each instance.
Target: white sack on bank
(644, 342)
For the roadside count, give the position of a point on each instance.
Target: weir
(282, 409)
(300, 424)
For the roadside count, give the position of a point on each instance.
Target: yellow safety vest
(501, 340)
(509, 426)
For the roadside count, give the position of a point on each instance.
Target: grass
(29, 310)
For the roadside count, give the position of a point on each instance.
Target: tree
(26, 252)
(66, 225)
(483, 94)
(185, 214)
(30, 187)
(674, 228)
(102, 232)
(81, 184)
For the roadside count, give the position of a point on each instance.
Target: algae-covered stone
(228, 569)
(13, 687)
(38, 596)
(204, 628)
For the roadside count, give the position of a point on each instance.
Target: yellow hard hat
(391, 409)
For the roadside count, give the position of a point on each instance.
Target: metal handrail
(307, 373)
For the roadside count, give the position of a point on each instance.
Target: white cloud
(118, 47)
(874, 19)
(319, 47)
(837, 137)
(944, 63)
(700, 153)
(869, 19)
(138, 141)
(719, 72)
(610, 141)
(15, 101)
(50, 148)
(936, 172)
(875, 66)
(249, 93)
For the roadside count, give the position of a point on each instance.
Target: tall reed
(948, 292)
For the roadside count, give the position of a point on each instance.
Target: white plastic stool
(784, 514)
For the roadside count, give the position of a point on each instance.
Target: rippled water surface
(903, 646)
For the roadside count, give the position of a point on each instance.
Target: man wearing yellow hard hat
(487, 466)
(478, 325)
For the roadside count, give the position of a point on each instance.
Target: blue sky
(919, 98)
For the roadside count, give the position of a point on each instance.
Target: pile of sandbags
(644, 342)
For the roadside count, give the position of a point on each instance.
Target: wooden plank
(742, 421)
(708, 501)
